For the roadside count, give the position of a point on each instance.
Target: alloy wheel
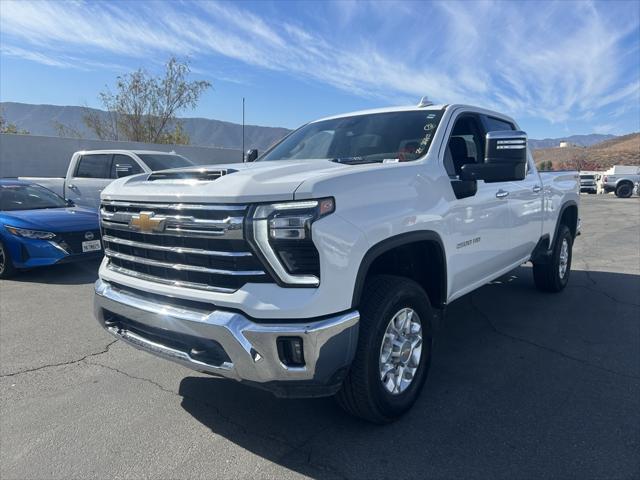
(564, 258)
(400, 351)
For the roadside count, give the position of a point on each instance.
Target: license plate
(91, 246)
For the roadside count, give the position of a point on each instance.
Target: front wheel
(553, 274)
(6, 266)
(394, 350)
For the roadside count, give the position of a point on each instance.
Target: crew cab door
(478, 221)
(91, 174)
(525, 201)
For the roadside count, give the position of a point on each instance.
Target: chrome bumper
(329, 344)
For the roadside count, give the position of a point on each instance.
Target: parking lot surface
(522, 385)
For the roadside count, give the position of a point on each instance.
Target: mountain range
(42, 120)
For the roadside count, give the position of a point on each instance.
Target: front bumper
(30, 253)
(248, 350)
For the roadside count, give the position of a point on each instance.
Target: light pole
(243, 129)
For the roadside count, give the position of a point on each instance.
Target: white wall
(36, 156)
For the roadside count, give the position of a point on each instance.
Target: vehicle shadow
(77, 273)
(515, 373)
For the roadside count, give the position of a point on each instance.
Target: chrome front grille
(189, 245)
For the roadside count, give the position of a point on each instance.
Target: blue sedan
(38, 228)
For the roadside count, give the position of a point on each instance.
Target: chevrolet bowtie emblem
(146, 222)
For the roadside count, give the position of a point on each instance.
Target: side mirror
(70, 203)
(123, 171)
(251, 155)
(505, 158)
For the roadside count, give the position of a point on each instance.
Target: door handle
(501, 193)
(71, 186)
(537, 188)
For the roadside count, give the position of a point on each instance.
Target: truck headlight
(26, 233)
(280, 233)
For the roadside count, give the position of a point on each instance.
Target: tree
(6, 127)
(145, 108)
(64, 131)
(545, 165)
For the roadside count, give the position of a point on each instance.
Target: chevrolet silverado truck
(324, 267)
(92, 170)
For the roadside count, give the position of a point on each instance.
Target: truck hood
(238, 183)
(52, 219)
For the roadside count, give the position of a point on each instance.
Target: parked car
(324, 267)
(38, 227)
(90, 171)
(588, 182)
(621, 179)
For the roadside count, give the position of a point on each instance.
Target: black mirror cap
(505, 158)
(251, 155)
(70, 203)
(506, 146)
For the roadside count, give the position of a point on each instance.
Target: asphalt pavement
(522, 385)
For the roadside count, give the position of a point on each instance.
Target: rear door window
(94, 166)
(123, 166)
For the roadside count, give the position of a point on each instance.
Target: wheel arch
(424, 248)
(568, 216)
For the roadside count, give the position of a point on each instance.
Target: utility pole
(243, 129)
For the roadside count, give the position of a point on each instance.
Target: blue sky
(559, 68)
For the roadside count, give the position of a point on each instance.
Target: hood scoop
(200, 175)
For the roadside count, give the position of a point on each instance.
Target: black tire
(6, 265)
(547, 275)
(624, 190)
(363, 393)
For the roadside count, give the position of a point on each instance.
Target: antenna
(243, 129)
(425, 102)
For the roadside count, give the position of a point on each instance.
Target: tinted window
(496, 125)
(28, 197)
(373, 137)
(123, 166)
(159, 161)
(465, 145)
(94, 166)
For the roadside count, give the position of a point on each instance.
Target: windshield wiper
(355, 160)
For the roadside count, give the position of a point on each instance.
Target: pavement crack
(61, 364)
(215, 410)
(133, 377)
(487, 319)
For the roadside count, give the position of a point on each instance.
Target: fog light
(290, 351)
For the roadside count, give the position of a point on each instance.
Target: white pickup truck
(323, 267)
(90, 171)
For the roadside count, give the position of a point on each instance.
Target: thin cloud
(554, 61)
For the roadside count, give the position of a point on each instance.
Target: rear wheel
(624, 190)
(6, 266)
(553, 274)
(394, 350)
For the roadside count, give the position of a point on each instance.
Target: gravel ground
(523, 385)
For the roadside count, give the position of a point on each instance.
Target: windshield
(28, 197)
(159, 161)
(376, 137)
